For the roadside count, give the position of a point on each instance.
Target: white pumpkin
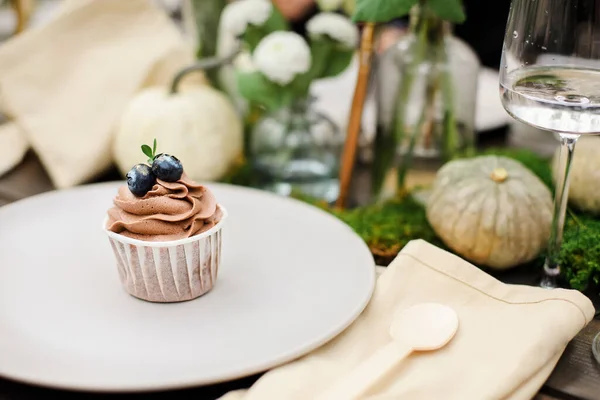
(198, 125)
(491, 210)
(585, 174)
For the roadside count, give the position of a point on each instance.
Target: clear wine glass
(550, 79)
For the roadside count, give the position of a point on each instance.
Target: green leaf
(254, 34)
(276, 22)
(154, 148)
(320, 49)
(338, 62)
(329, 59)
(349, 6)
(300, 85)
(449, 10)
(147, 151)
(287, 98)
(382, 10)
(258, 89)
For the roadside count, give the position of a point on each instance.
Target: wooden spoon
(422, 327)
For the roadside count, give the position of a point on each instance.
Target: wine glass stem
(561, 198)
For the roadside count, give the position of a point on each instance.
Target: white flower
(329, 5)
(282, 55)
(238, 15)
(337, 27)
(243, 62)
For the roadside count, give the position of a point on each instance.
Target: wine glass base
(548, 282)
(596, 347)
(550, 278)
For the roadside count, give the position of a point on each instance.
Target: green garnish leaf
(147, 151)
(150, 152)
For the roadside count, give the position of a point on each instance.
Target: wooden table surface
(576, 376)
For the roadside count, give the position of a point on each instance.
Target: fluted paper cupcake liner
(168, 272)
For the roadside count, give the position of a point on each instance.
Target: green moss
(580, 255)
(387, 227)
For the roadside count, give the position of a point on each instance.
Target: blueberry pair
(141, 178)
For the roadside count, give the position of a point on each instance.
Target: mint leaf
(154, 148)
(449, 10)
(147, 151)
(383, 10)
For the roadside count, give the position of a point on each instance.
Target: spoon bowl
(425, 326)
(422, 327)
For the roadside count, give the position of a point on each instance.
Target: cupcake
(165, 232)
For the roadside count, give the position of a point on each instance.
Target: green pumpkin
(491, 210)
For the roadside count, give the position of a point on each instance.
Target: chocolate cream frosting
(170, 211)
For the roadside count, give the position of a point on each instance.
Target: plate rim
(187, 383)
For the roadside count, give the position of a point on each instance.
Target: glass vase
(296, 149)
(426, 93)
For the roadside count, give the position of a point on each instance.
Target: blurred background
(52, 66)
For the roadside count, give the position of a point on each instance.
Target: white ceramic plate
(292, 278)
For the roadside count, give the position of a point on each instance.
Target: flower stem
(428, 62)
(387, 141)
(423, 127)
(451, 137)
(421, 52)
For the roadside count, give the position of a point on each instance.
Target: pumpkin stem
(202, 65)
(499, 175)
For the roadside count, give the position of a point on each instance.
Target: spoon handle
(366, 374)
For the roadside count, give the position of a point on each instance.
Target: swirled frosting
(170, 211)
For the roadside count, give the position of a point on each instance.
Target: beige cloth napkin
(13, 145)
(66, 83)
(508, 341)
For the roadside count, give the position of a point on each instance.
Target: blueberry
(140, 180)
(167, 168)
